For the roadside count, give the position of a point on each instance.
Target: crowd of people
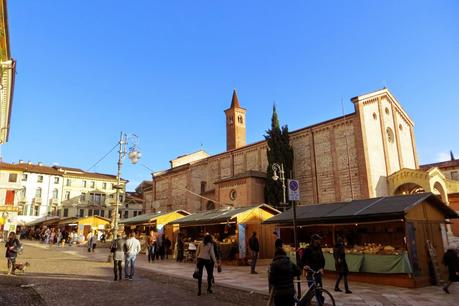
(51, 236)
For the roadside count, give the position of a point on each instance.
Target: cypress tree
(278, 151)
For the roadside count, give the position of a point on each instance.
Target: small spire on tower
(235, 100)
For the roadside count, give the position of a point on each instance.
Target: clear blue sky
(165, 70)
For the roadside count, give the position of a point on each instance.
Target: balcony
(36, 200)
(53, 201)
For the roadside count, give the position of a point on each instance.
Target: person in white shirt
(132, 248)
(205, 258)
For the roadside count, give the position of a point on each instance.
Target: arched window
(38, 193)
(55, 193)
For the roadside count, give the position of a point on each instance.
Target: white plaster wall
(392, 152)
(406, 145)
(375, 149)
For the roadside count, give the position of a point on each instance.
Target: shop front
(231, 228)
(396, 240)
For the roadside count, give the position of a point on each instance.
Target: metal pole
(282, 176)
(121, 154)
(295, 241)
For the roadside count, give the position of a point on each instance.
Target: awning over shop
(42, 220)
(159, 217)
(216, 216)
(67, 221)
(375, 209)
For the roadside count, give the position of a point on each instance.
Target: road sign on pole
(293, 190)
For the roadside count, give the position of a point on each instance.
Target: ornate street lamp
(134, 155)
(280, 168)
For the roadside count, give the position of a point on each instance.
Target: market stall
(393, 240)
(84, 225)
(231, 228)
(143, 224)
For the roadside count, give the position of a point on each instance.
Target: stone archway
(408, 188)
(439, 189)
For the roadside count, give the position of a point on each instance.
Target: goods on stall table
(373, 248)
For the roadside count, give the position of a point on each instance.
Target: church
(368, 153)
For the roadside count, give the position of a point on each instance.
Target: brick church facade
(344, 158)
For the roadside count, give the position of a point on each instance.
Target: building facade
(37, 190)
(344, 158)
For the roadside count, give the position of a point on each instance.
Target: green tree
(279, 151)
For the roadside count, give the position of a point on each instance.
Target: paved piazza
(71, 276)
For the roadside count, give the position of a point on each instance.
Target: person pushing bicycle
(313, 259)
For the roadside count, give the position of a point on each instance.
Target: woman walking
(341, 267)
(12, 248)
(205, 256)
(117, 248)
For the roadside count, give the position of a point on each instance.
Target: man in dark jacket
(451, 261)
(339, 253)
(313, 259)
(281, 274)
(254, 248)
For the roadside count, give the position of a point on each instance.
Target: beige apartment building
(349, 157)
(37, 190)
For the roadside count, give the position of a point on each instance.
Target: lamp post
(134, 155)
(280, 168)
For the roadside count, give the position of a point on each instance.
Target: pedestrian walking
(281, 274)
(180, 247)
(205, 256)
(117, 248)
(58, 237)
(132, 249)
(151, 241)
(255, 249)
(92, 239)
(167, 245)
(341, 267)
(313, 259)
(451, 260)
(13, 246)
(159, 252)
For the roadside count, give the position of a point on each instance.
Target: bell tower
(235, 124)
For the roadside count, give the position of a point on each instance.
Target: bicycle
(315, 291)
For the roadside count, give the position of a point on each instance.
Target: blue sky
(165, 70)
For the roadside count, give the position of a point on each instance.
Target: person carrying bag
(205, 256)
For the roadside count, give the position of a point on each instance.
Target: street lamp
(280, 168)
(134, 155)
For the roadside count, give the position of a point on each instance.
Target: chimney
(21, 161)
